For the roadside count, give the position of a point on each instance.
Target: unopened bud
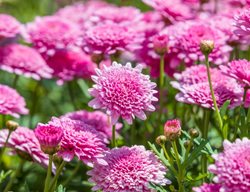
(160, 140)
(194, 133)
(12, 125)
(187, 143)
(172, 129)
(206, 46)
(160, 43)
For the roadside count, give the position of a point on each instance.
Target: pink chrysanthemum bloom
(172, 10)
(123, 91)
(68, 65)
(185, 38)
(242, 23)
(172, 129)
(79, 140)
(232, 167)
(109, 38)
(239, 70)
(96, 119)
(23, 60)
(129, 169)
(9, 26)
(49, 136)
(23, 142)
(208, 187)
(11, 103)
(52, 32)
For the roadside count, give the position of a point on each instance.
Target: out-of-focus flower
(23, 142)
(242, 24)
(160, 43)
(68, 65)
(172, 129)
(80, 140)
(208, 187)
(97, 120)
(11, 103)
(128, 169)
(51, 33)
(109, 38)
(49, 137)
(239, 70)
(23, 60)
(123, 91)
(231, 167)
(9, 26)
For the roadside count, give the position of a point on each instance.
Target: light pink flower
(208, 187)
(129, 169)
(123, 91)
(11, 103)
(79, 140)
(9, 26)
(24, 143)
(68, 65)
(109, 38)
(97, 120)
(23, 60)
(239, 70)
(232, 167)
(51, 33)
(242, 23)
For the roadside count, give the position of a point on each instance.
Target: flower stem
(47, 180)
(113, 137)
(171, 167)
(72, 174)
(34, 103)
(71, 95)
(212, 93)
(58, 172)
(161, 85)
(4, 147)
(14, 84)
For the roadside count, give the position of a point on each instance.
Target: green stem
(58, 172)
(34, 103)
(47, 180)
(171, 167)
(72, 174)
(244, 96)
(71, 95)
(212, 93)
(4, 147)
(188, 148)
(161, 86)
(14, 84)
(113, 137)
(14, 176)
(3, 121)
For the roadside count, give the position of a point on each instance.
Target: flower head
(232, 166)
(208, 188)
(172, 129)
(242, 23)
(11, 103)
(23, 60)
(160, 43)
(80, 140)
(9, 26)
(206, 46)
(49, 136)
(128, 169)
(123, 91)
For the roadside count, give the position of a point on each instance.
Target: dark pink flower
(23, 60)
(242, 24)
(160, 43)
(128, 169)
(172, 129)
(208, 187)
(11, 103)
(9, 26)
(123, 91)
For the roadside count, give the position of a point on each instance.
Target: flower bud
(160, 140)
(160, 43)
(172, 129)
(206, 46)
(187, 143)
(12, 125)
(194, 133)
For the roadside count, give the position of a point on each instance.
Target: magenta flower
(23, 60)
(109, 38)
(239, 70)
(160, 44)
(231, 167)
(68, 65)
(97, 120)
(123, 91)
(9, 26)
(23, 142)
(242, 23)
(51, 33)
(128, 169)
(11, 103)
(79, 140)
(208, 188)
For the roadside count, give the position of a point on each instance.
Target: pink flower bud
(172, 129)
(160, 43)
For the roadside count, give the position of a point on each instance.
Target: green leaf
(60, 188)
(159, 154)
(157, 188)
(199, 177)
(4, 175)
(224, 108)
(84, 87)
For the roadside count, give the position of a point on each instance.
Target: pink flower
(160, 43)
(23, 60)
(79, 140)
(9, 26)
(51, 33)
(239, 70)
(109, 38)
(242, 23)
(11, 103)
(129, 169)
(97, 120)
(172, 129)
(123, 91)
(49, 136)
(23, 142)
(232, 167)
(68, 65)
(208, 188)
